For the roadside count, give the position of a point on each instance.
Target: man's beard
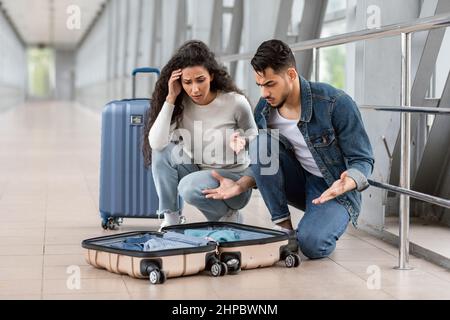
(283, 100)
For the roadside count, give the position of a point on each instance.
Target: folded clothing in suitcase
(243, 246)
(153, 255)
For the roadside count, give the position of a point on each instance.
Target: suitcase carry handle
(146, 70)
(142, 70)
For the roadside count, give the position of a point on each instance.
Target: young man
(312, 151)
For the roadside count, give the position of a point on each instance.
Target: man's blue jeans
(321, 225)
(188, 181)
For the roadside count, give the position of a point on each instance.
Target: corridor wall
(13, 66)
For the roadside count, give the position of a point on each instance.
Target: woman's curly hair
(190, 54)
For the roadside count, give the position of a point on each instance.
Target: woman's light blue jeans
(173, 178)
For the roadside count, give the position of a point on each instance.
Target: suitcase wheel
(224, 270)
(234, 265)
(292, 260)
(218, 269)
(156, 276)
(111, 223)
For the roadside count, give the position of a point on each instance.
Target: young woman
(193, 143)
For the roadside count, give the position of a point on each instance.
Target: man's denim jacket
(334, 132)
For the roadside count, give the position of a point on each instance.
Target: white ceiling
(37, 23)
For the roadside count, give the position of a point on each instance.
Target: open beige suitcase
(217, 247)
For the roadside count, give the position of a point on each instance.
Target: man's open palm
(341, 186)
(227, 188)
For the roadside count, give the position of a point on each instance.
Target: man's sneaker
(290, 232)
(233, 216)
(172, 218)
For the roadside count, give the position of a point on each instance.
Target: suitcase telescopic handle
(142, 70)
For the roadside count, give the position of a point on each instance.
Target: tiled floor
(419, 234)
(49, 162)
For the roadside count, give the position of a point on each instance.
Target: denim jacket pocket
(323, 140)
(326, 146)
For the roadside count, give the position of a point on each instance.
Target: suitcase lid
(101, 244)
(269, 235)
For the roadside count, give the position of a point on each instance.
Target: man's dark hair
(273, 54)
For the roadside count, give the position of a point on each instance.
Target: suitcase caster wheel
(110, 224)
(156, 276)
(216, 269)
(224, 270)
(233, 265)
(292, 260)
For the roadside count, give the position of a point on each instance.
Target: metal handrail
(423, 24)
(427, 110)
(414, 194)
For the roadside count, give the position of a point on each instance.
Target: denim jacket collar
(306, 100)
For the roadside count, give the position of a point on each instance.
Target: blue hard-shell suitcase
(127, 188)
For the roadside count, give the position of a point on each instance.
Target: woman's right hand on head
(174, 86)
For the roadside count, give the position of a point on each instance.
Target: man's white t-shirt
(289, 129)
